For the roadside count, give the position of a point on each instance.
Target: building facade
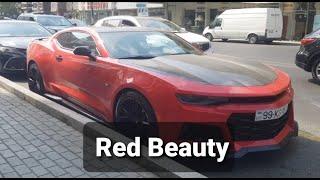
(299, 18)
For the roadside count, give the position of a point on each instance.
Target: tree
(9, 9)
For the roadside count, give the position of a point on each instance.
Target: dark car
(52, 22)
(14, 39)
(308, 56)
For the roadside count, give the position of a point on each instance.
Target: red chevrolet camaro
(154, 77)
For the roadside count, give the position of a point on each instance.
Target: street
(301, 157)
(307, 97)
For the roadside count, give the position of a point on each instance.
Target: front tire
(134, 116)
(253, 39)
(35, 81)
(209, 36)
(316, 71)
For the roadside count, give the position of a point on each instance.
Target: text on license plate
(271, 114)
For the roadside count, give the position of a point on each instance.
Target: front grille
(243, 127)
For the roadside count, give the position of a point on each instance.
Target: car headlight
(201, 100)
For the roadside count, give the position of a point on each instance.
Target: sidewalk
(35, 144)
(292, 43)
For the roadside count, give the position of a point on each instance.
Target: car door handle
(59, 58)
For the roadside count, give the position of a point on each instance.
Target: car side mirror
(74, 24)
(84, 51)
(211, 26)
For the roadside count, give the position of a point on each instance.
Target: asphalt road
(301, 158)
(307, 93)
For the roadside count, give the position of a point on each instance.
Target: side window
(218, 23)
(127, 23)
(111, 23)
(71, 40)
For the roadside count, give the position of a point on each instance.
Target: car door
(76, 76)
(217, 28)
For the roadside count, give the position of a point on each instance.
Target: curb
(78, 121)
(289, 43)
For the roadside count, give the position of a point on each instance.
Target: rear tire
(316, 71)
(253, 39)
(135, 117)
(35, 81)
(209, 36)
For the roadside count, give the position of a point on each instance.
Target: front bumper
(276, 143)
(12, 60)
(302, 60)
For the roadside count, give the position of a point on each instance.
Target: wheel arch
(128, 89)
(251, 34)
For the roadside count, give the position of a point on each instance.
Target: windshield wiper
(137, 57)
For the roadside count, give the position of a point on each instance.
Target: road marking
(288, 65)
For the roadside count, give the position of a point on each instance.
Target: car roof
(115, 29)
(32, 14)
(132, 17)
(18, 21)
(125, 29)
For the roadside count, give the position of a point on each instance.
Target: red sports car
(152, 77)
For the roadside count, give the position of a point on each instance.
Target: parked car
(149, 77)
(308, 56)
(78, 22)
(14, 39)
(52, 22)
(157, 23)
(252, 24)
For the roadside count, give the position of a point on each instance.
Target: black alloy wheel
(35, 81)
(316, 71)
(134, 116)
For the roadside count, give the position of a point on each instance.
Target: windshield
(53, 21)
(23, 29)
(314, 34)
(144, 45)
(159, 24)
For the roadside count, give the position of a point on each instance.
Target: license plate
(271, 114)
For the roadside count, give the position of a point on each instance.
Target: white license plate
(271, 114)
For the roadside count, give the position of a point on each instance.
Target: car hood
(207, 69)
(192, 37)
(17, 42)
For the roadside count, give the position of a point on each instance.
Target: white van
(252, 24)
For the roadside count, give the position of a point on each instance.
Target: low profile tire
(224, 40)
(253, 39)
(208, 36)
(134, 116)
(35, 81)
(316, 71)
